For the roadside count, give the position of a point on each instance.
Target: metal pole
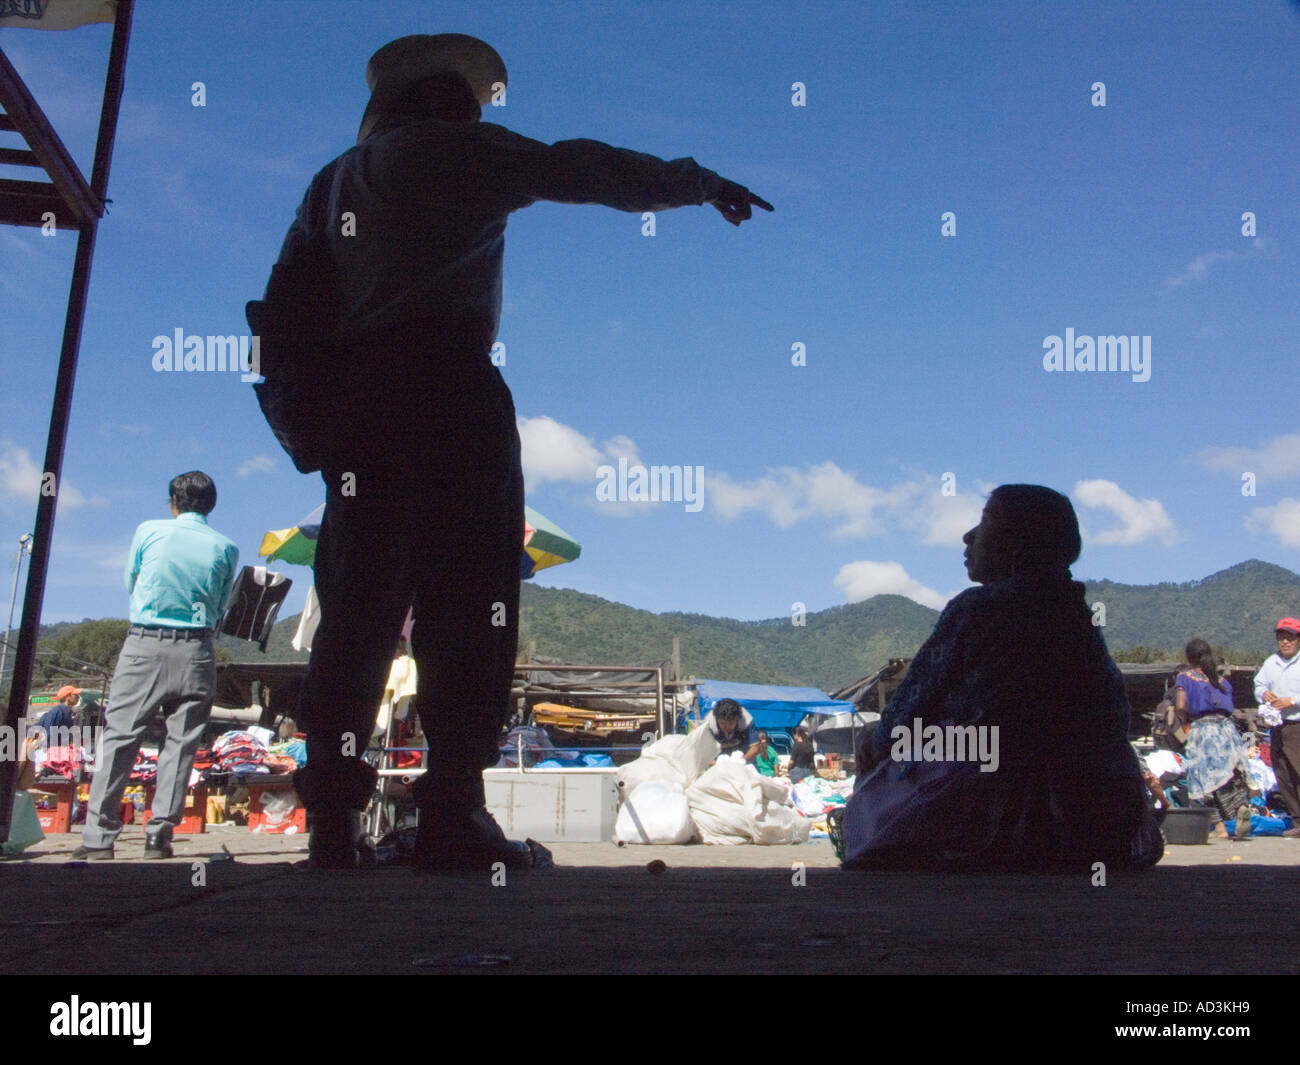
(24, 544)
(659, 698)
(38, 567)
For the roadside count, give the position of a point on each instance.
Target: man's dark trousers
(1284, 743)
(424, 507)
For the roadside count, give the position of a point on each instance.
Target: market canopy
(770, 705)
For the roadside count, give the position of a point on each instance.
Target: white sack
(654, 813)
(672, 760)
(733, 803)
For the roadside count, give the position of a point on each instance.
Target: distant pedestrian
(765, 758)
(1216, 752)
(1277, 688)
(179, 574)
(803, 757)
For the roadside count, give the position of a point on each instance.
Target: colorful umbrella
(297, 545)
(545, 543)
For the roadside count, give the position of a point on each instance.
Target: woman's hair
(1199, 655)
(1039, 524)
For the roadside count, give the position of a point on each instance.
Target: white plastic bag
(654, 813)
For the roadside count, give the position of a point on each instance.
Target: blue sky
(825, 482)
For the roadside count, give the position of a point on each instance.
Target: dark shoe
(472, 844)
(336, 839)
(92, 854)
(158, 847)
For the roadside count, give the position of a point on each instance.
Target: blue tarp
(770, 705)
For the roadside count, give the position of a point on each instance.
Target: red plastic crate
(56, 817)
(194, 817)
(257, 821)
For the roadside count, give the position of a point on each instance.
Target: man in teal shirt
(179, 574)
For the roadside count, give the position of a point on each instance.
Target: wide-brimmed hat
(421, 55)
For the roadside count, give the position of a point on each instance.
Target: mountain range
(1235, 610)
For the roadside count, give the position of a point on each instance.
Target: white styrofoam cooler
(554, 805)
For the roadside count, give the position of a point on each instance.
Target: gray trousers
(178, 676)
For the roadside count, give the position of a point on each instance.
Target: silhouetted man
(421, 454)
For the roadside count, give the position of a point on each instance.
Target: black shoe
(473, 844)
(336, 839)
(92, 854)
(158, 847)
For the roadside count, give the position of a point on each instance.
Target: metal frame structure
(73, 203)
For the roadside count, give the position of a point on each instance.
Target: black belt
(162, 632)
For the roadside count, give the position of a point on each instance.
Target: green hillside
(1234, 609)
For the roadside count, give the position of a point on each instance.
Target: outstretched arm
(587, 171)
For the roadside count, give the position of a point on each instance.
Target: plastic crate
(193, 816)
(53, 801)
(296, 821)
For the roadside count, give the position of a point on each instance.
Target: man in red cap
(62, 715)
(1277, 688)
(409, 229)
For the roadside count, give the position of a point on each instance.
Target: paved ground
(712, 910)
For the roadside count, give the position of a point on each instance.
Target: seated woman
(1006, 745)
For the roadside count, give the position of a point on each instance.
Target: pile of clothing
(816, 797)
(239, 752)
(1268, 811)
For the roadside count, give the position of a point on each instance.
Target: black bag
(294, 323)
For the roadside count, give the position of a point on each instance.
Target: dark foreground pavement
(712, 910)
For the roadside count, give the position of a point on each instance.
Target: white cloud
(257, 464)
(1279, 457)
(20, 480)
(788, 495)
(1141, 519)
(862, 580)
(553, 451)
(27, 247)
(113, 429)
(1282, 520)
(941, 519)
(1199, 268)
